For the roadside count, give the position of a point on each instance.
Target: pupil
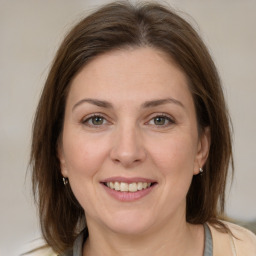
(97, 120)
(159, 120)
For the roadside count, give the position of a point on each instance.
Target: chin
(130, 223)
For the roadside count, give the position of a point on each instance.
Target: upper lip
(128, 180)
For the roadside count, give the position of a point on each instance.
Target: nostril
(116, 161)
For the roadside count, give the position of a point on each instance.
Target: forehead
(126, 73)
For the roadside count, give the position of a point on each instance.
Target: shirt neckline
(78, 244)
(208, 248)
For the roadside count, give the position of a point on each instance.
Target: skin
(130, 142)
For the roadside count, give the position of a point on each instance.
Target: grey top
(207, 241)
(78, 245)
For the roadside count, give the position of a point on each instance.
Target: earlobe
(60, 155)
(203, 150)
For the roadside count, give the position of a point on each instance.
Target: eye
(161, 120)
(95, 120)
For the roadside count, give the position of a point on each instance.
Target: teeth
(139, 185)
(124, 187)
(128, 187)
(133, 187)
(116, 186)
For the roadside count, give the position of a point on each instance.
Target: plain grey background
(30, 33)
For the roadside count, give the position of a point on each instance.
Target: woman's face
(130, 143)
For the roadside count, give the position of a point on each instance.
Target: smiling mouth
(128, 187)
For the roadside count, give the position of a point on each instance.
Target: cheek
(174, 155)
(175, 162)
(84, 158)
(83, 155)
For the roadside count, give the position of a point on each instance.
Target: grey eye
(94, 121)
(97, 120)
(160, 120)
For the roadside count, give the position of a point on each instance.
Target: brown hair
(116, 26)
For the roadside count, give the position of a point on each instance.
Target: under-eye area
(129, 187)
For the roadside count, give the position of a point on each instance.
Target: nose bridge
(128, 145)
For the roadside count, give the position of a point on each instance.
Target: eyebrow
(155, 103)
(99, 103)
(147, 104)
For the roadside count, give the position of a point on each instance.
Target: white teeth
(139, 186)
(125, 187)
(117, 186)
(132, 187)
(111, 185)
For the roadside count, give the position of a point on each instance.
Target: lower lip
(128, 196)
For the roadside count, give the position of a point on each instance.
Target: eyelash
(162, 115)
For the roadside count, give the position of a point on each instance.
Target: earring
(201, 170)
(65, 180)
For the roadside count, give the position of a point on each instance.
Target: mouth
(128, 187)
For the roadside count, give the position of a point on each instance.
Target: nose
(127, 148)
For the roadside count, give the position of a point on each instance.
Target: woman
(131, 142)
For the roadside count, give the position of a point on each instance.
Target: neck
(168, 239)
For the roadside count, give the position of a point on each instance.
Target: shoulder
(38, 248)
(244, 239)
(41, 252)
(241, 242)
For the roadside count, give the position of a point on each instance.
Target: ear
(203, 149)
(61, 156)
